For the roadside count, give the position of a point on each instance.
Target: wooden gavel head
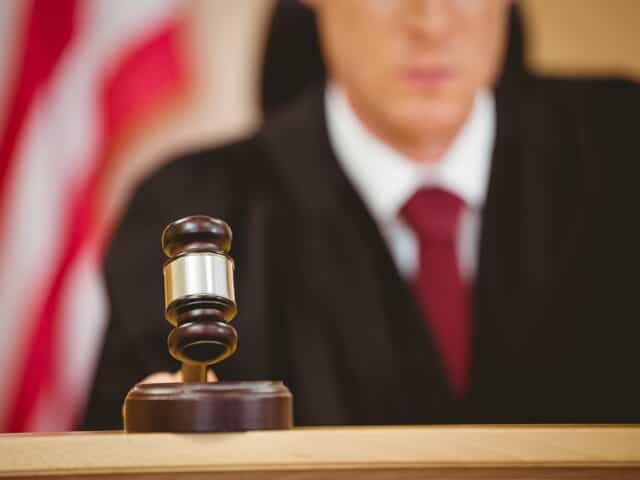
(199, 290)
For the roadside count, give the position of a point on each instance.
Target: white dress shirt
(386, 179)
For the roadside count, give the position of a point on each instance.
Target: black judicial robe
(322, 306)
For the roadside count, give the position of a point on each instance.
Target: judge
(424, 238)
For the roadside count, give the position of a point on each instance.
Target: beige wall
(584, 36)
(225, 38)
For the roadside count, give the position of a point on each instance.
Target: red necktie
(442, 294)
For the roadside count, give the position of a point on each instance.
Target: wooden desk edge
(495, 448)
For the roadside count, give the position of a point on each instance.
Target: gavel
(199, 294)
(200, 303)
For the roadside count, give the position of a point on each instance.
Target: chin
(432, 115)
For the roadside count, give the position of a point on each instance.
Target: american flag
(81, 72)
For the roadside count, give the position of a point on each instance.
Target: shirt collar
(386, 179)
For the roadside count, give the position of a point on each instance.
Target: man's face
(412, 67)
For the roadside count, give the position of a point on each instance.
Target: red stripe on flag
(150, 69)
(49, 30)
(147, 72)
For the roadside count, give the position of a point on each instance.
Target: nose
(428, 18)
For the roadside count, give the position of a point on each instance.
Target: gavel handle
(194, 373)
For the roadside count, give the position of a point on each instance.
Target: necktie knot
(433, 213)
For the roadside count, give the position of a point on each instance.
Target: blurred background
(94, 94)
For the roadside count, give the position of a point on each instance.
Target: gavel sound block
(200, 304)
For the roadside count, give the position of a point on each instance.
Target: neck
(425, 145)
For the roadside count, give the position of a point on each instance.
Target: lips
(427, 77)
